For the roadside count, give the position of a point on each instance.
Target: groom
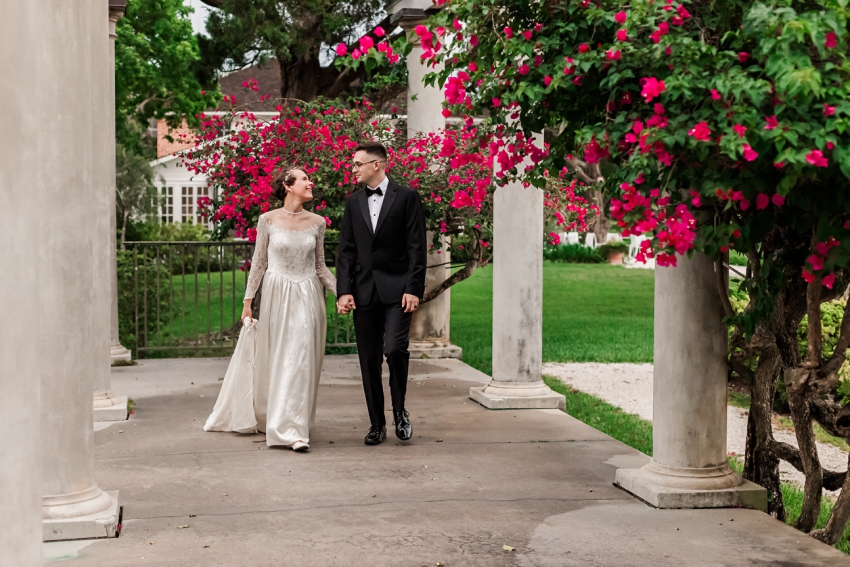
(381, 277)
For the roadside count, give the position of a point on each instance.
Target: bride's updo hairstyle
(281, 179)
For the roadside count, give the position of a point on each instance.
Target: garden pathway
(629, 386)
(471, 482)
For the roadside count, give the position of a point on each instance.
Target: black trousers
(382, 330)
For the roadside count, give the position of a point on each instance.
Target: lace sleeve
(260, 260)
(325, 275)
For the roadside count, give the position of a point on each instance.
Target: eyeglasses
(358, 165)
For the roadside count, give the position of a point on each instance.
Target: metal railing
(187, 298)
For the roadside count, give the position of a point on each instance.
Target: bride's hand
(246, 310)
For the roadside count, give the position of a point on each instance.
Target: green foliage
(154, 231)
(297, 33)
(157, 70)
(135, 194)
(606, 250)
(573, 254)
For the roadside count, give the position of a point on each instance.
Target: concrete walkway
(470, 482)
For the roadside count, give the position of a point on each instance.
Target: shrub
(573, 254)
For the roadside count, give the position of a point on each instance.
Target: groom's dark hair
(376, 149)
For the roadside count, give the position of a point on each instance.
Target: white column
(117, 351)
(688, 467)
(429, 329)
(107, 406)
(73, 505)
(20, 352)
(517, 303)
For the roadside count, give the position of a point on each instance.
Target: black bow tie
(376, 191)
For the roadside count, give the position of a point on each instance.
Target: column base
(120, 354)
(434, 349)
(115, 411)
(666, 487)
(517, 395)
(99, 525)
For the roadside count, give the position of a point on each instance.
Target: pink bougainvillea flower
(828, 281)
(831, 40)
(456, 24)
(594, 152)
(447, 112)
(547, 80)
(383, 46)
(808, 276)
(830, 145)
(496, 101)
(523, 69)
(509, 33)
(683, 12)
(715, 95)
(658, 108)
(816, 261)
(473, 40)
(569, 70)
(583, 48)
(538, 61)
(743, 56)
(828, 110)
(762, 201)
(652, 88)
(379, 31)
(622, 35)
(771, 122)
(356, 54)
(701, 132)
(527, 35)
(341, 49)
(815, 158)
(612, 55)
(366, 43)
(538, 27)
(740, 130)
(473, 67)
(631, 138)
(577, 81)
(779, 164)
(749, 153)
(620, 17)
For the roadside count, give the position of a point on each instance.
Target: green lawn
(591, 312)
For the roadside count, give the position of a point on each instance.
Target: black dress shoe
(376, 435)
(403, 429)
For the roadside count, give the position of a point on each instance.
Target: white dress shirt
(375, 202)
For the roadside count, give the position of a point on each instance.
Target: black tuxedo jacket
(391, 259)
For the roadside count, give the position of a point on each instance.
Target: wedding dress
(289, 341)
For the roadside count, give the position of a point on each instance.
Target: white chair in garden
(613, 237)
(634, 244)
(590, 240)
(572, 237)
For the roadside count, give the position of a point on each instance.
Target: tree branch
(723, 288)
(831, 480)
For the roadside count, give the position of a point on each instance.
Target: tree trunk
(761, 465)
(796, 384)
(602, 225)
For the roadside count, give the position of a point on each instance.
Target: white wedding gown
(289, 343)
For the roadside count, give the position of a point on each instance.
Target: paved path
(470, 482)
(629, 386)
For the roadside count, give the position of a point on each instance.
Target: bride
(290, 334)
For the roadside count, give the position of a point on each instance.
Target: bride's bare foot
(300, 446)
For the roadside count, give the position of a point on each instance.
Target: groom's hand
(410, 303)
(345, 304)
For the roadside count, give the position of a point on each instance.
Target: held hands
(345, 304)
(246, 310)
(410, 303)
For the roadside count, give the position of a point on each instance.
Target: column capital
(117, 8)
(409, 18)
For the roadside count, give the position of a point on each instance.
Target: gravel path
(629, 386)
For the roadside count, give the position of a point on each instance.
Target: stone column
(117, 351)
(74, 332)
(688, 467)
(517, 303)
(107, 406)
(21, 355)
(429, 330)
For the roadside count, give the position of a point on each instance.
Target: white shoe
(300, 446)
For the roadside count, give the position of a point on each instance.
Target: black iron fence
(187, 298)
